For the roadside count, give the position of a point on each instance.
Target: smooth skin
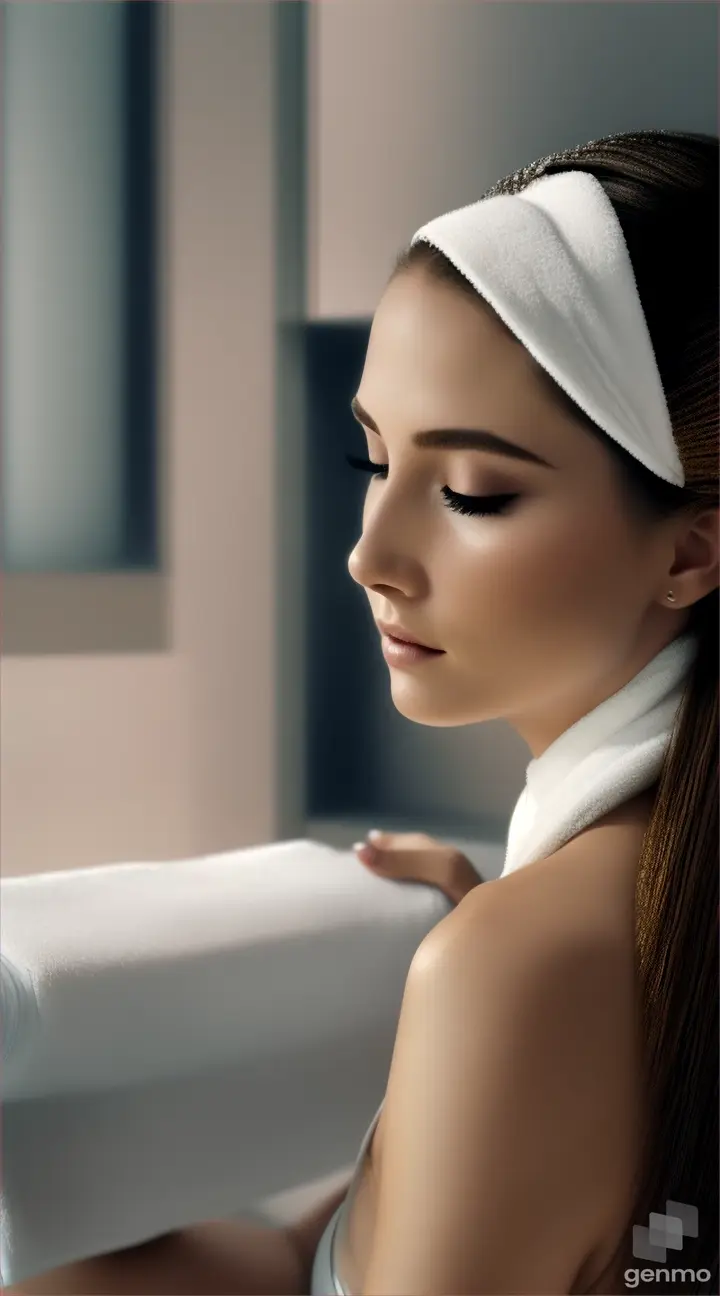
(510, 1128)
(542, 612)
(505, 1150)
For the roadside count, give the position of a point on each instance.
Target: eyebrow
(457, 439)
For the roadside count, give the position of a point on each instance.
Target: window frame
(121, 609)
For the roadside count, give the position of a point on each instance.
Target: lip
(400, 635)
(405, 656)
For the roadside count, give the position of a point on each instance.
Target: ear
(695, 571)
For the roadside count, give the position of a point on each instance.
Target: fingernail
(362, 848)
(375, 834)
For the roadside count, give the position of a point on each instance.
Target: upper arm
(494, 1120)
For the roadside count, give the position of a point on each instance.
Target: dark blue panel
(342, 651)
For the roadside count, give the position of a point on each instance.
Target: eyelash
(469, 505)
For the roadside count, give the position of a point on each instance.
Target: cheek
(529, 570)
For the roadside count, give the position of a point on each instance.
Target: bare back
(595, 890)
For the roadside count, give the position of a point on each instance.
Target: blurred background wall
(164, 746)
(200, 211)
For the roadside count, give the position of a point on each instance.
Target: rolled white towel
(181, 1040)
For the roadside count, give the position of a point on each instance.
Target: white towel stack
(182, 1040)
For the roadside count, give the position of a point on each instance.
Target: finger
(366, 853)
(400, 864)
(389, 851)
(388, 862)
(379, 838)
(401, 841)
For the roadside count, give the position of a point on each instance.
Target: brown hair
(664, 188)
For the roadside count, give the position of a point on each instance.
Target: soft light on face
(542, 610)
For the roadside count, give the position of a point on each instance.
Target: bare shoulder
(567, 921)
(583, 892)
(516, 1149)
(576, 904)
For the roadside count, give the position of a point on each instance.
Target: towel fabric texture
(182, 1040)
(553, 263)
(609, 756)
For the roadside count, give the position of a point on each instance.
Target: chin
(419, 705)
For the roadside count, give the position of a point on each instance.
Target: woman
(554, 1079)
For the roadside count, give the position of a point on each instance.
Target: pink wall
(159, 756)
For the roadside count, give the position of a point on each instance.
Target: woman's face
(542, 611)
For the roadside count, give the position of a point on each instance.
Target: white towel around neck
(613, 753)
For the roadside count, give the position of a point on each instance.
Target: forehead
(438, 356)
(431, 341)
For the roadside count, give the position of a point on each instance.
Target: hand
(415, 857)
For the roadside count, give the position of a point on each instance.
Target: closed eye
(470, 505)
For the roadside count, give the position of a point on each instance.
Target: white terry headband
(553, 263)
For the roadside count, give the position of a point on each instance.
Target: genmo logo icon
(663, 1233)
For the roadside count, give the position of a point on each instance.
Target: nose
(386, 556)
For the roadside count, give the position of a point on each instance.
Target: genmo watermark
(663, 1233)
(664, 1274)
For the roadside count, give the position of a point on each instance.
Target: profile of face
(542, 609)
